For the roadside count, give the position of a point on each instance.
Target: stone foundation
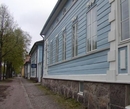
(34, 79)
(95, 95)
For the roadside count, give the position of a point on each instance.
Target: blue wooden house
(27, 67)
(87, 52)
(36, 60)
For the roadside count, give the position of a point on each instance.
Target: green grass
(67, 103)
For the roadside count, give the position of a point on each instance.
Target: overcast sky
(30, 15)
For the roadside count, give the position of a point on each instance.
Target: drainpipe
(42, 57)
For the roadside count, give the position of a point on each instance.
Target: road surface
(22, 94)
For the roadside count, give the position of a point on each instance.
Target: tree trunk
(0, 66)
(7, 70)
(10, 70)
(4, 71)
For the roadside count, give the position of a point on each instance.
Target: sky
(30, 15)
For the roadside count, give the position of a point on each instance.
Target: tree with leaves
(14, 42)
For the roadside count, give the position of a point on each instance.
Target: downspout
(42, 58)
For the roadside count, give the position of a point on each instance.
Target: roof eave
(59, 5)
(35, 46)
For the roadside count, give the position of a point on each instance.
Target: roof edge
(35, 45)
(52, 16)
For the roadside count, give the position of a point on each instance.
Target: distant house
(87, 52)
(22, 72)
(27, 67)
(36, 60)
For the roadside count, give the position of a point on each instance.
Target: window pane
(51, 52)
(81, 87)
(74, 40)
(88, 18)
(92, 29)
(88, 31)
(74, 30)
(125, 29)
(94, 14)
(94, 43)
(88, 44)
(57, 49)
(63, 45)
(95, 28)
(124, 10)
(72, 49)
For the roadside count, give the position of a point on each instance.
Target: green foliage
(14, 42)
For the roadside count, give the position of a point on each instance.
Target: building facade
(87, 52)
(36, 60)
(27, 67)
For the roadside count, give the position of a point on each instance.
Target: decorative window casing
(92, 29)
(73, 1)
(57, 20)
(64, 45)
(125, 19)
(64, 10)
(57, 49)
(74, 38)
(51, 52)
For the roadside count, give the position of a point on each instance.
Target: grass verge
(67, 103)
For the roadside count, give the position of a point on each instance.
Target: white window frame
(57, 49)
(64, 45)
(119, 23)
(74, 39)
(91, 46)
(51, 52)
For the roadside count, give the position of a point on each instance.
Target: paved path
(25, 95)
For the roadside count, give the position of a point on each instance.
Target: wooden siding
(90, 64)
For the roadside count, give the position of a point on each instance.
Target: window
(51, 52)
(57, 49)
(46, 53)
(33, 73)
(74, 40)
(81, 88)
(125, 19)
(64, 45)
(92, 29)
